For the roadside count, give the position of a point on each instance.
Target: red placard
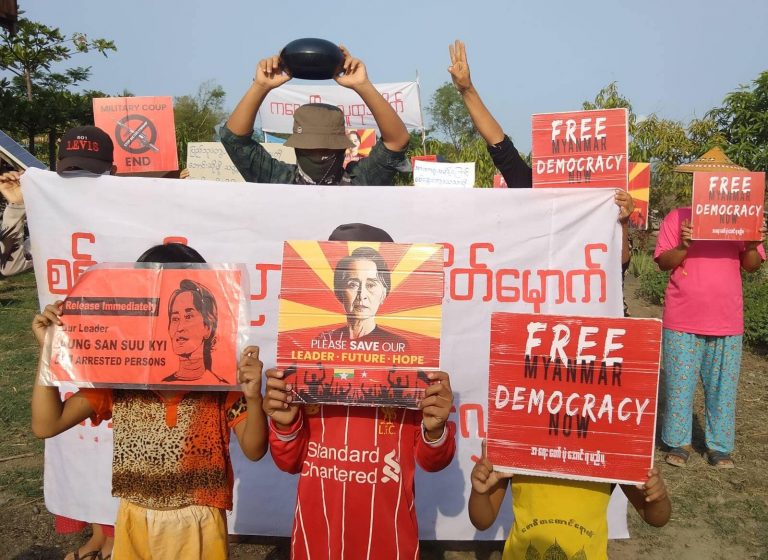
(431, 157)
(728, 206)
(573, 397)
(126, 326)
(499, 182)
(580, 149)
(142, 130)
(640, 189)
(359, 323)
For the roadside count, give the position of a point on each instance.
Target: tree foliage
(743, 122)
(450, 116)
(197, 116)
(36, 100)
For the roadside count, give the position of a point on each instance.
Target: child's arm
(51, 416)
(650, 499)
(252, 432)
(626, 206)
(488, 489)
(394, 135)
(751, 259)
(672, 258)
(436, 442)
(288, 435)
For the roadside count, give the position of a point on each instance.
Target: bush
(641, 263)
(756, 310)
(653, 283)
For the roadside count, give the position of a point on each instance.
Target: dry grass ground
(716, 514)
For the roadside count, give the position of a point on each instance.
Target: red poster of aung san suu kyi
(359, 323)
(573, 397)
(150, 325)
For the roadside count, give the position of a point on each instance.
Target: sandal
(719, 459)
(677, 456)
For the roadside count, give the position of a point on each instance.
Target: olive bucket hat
(318, 126)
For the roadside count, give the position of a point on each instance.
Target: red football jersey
(356, 493)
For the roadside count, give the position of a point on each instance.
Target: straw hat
(714, 160)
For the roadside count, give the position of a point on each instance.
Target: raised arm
(354, 76)
(482, 118)
(252, 432)
(51, 416)
(269, 75)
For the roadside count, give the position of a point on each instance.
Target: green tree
(38, 100)
(610, 98)
(450, 116)
(197, 115)
(743, 122)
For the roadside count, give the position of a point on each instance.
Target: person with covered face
(192, 320)
(319, 135)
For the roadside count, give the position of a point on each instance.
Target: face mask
(321, 167)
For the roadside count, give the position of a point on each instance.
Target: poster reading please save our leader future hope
(359, 322)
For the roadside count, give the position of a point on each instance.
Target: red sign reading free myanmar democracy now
(580, 149)
(573, 397)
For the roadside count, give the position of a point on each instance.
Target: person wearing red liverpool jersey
(356, 492)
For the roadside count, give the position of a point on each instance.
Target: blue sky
(676, 58)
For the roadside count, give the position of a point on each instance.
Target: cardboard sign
(128, 326)
(440, 174)
(580, 149)
(639, 188)
(209, 160)
(573, 397)
(499, 182)
(728, 206)
(286, 154)
(359, 323)
(142, 130)
(363, 139)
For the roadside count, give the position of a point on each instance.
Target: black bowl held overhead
(312, 59)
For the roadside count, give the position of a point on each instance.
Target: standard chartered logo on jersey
(350, 465)
(391, 468)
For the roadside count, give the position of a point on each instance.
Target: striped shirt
(356, 492)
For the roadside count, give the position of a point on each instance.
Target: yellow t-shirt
(558, 519)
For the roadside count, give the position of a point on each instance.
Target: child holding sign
(171, 465)
(553, 514)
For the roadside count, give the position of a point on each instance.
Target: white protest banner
(209, 160)
(277, 109)
(551, 251)
(443, 174)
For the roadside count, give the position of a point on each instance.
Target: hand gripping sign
(359, 323)
(573, 397)
(150, 325)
